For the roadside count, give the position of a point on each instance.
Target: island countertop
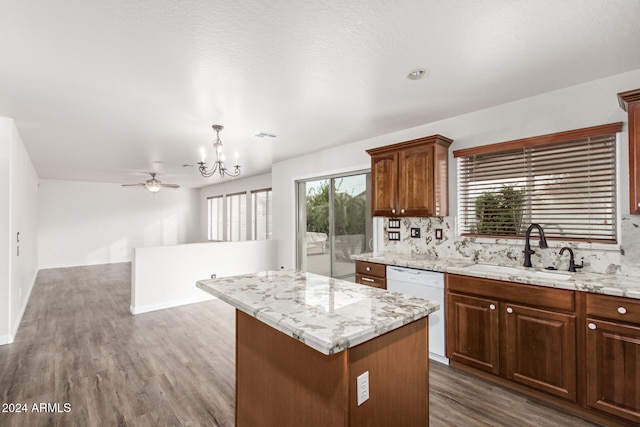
(329, 315)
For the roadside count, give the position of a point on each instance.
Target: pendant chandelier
(218, 165)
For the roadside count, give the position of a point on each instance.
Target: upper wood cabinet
(630, 102)
(410, 178)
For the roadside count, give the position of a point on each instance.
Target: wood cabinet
(523, 333)
(371, 274)
(472, 332)
(410, 178)
(540, 349)
(282, 382)
(630, 102)
(613, 355)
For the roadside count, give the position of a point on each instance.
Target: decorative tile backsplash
(622, 259)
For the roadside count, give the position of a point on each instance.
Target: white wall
(84, 223)
(18, 213)
(231, 186)
(588, 104)
(166, 276)
(5, 230)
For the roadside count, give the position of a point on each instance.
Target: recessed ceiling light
(264, 135)
(418, 74)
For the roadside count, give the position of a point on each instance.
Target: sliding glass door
(334, 222)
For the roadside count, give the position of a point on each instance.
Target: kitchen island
(303, 340)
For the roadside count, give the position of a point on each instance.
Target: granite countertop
(329, 315)
(607, 284)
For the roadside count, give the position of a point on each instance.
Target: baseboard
(168, 304)
(6, 339)
(438, 358)
(15, 322)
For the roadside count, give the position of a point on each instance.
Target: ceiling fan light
(153, 188)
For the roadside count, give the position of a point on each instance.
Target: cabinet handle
(366, 279)
(622, 310)
(393, 211)
(492, 306)
(509, 310)
(402, 211)
(592, 326)
(368, 268)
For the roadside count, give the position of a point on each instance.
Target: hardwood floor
(78, 345)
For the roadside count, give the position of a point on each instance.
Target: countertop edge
(604, 284)
(324, 346)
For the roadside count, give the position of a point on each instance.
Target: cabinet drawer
(371, 269)
(532, 295)
(614, 308)
(376, 282)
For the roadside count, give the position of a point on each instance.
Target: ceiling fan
(153, 185)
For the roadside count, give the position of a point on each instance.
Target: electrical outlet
(362, 388)
(415, 232)
(438, 233)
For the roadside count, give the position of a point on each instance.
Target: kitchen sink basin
(494, 268)
(519, 271)
(548, 275)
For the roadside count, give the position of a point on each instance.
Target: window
(261, 214)
(216, 219)
(565, 182)
(237, 217)
(236, 224)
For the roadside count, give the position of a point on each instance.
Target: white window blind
(216, 219)
(261, 214)
(237, 217)
(567, 187)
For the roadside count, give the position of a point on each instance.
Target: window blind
(237, 217)
(261, 214)
(567, 187)
(215, 223)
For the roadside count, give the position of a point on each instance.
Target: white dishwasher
(428, 285)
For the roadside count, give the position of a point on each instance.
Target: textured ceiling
(109, 90)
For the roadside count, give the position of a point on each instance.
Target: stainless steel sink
(519, 271)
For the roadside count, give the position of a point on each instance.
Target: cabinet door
(472, 332)
(541, 349)
(416, 187)
(634, 157)
(613, 368)
(384, 184)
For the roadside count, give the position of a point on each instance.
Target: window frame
(557, 140)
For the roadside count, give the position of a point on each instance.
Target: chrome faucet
(572, 262)
(527, 245)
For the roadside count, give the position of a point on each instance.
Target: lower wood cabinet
(580, 351)
(523, 333)
(371, 274)
(541, 349)
(613, 356)
(472, 332)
